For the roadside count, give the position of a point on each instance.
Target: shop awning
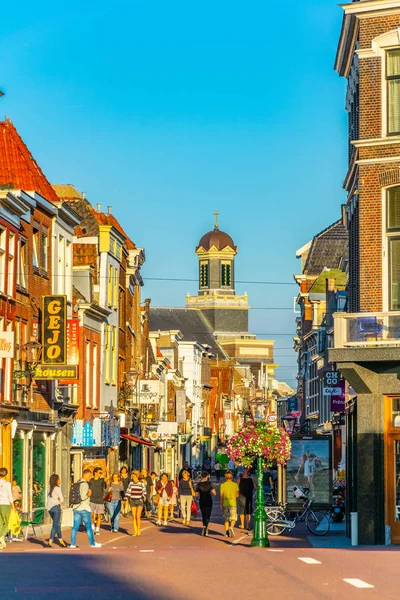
(138, 440)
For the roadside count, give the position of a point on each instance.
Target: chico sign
(54, 330)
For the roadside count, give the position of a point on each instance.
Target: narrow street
(176, 562)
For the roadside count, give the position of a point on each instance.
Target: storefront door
(392, 467)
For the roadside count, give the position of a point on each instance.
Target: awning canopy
(138, 440)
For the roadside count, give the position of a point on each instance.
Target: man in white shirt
(82, 511)
(6, 504)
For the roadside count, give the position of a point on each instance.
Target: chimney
(109, 210)
(99, 208)
(83, 195)
(331, 284)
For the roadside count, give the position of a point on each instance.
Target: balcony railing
(366, 330)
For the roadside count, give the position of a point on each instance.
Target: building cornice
(386, 141)
(368, 8)
(378, 161)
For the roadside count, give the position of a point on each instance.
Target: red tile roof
(107, 219)
(18, 168)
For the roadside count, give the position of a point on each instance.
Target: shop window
(395, 415)
(393, 91)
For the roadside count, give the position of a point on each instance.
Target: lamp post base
(260, 537)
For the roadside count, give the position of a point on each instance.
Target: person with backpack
(80, 501)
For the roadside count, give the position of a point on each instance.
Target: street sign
(332, 391)
(271, 418)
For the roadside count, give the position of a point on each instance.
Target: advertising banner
(6, 344)
(310, 468)
(149, 391)
(54, 330)
(338, 402)
(73, 341)
(180, 402)
(292, 404)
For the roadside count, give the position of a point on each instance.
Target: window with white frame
(44, 249)
(393, 91)
(3, 234)
(87, 373)
(11, 263)
(22, 266)
(393, 245)
(94, 375)
(35, 248)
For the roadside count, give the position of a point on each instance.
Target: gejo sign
(54, 330)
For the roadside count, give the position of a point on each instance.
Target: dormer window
(393, 91)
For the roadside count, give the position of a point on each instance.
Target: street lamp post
(258, 408)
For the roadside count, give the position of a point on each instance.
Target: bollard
(354, 528)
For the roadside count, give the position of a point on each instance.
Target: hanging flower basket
(259, 439)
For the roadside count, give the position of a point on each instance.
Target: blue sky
(169, 110)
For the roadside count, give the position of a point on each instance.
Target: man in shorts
(229, 492)
(97, 486)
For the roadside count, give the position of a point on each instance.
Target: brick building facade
(366, 339)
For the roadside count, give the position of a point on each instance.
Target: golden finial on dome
(216, 214)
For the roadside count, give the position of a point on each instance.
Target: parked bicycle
(279, 519)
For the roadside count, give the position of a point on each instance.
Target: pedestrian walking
(6, 505)
(174, 499)
(187, 468)
(116, 490)
(125, 480)
(136, 493)
(245, 500)
(185, 496)
(97, 486)
(153, 476)
(217, 469)
(229, 492)
(147, 480)
(80, 500)
(162, 500)
(55, 499)
(205, 491)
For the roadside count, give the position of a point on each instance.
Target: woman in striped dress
(136, 493)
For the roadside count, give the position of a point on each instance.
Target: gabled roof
(327, 249)
(18, 168)
(66, 191)
(190, 322)
(108, 219)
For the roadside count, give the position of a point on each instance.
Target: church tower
(226, 312)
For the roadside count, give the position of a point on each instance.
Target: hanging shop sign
(292, 404)
(332, 383)
(54, 330)
(180, 404)
(6, 344)
(73, 341)
(66, 372)
(149, 391)
(100, 432)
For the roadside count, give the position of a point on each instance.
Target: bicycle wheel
(274, 515)
(317, 523)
